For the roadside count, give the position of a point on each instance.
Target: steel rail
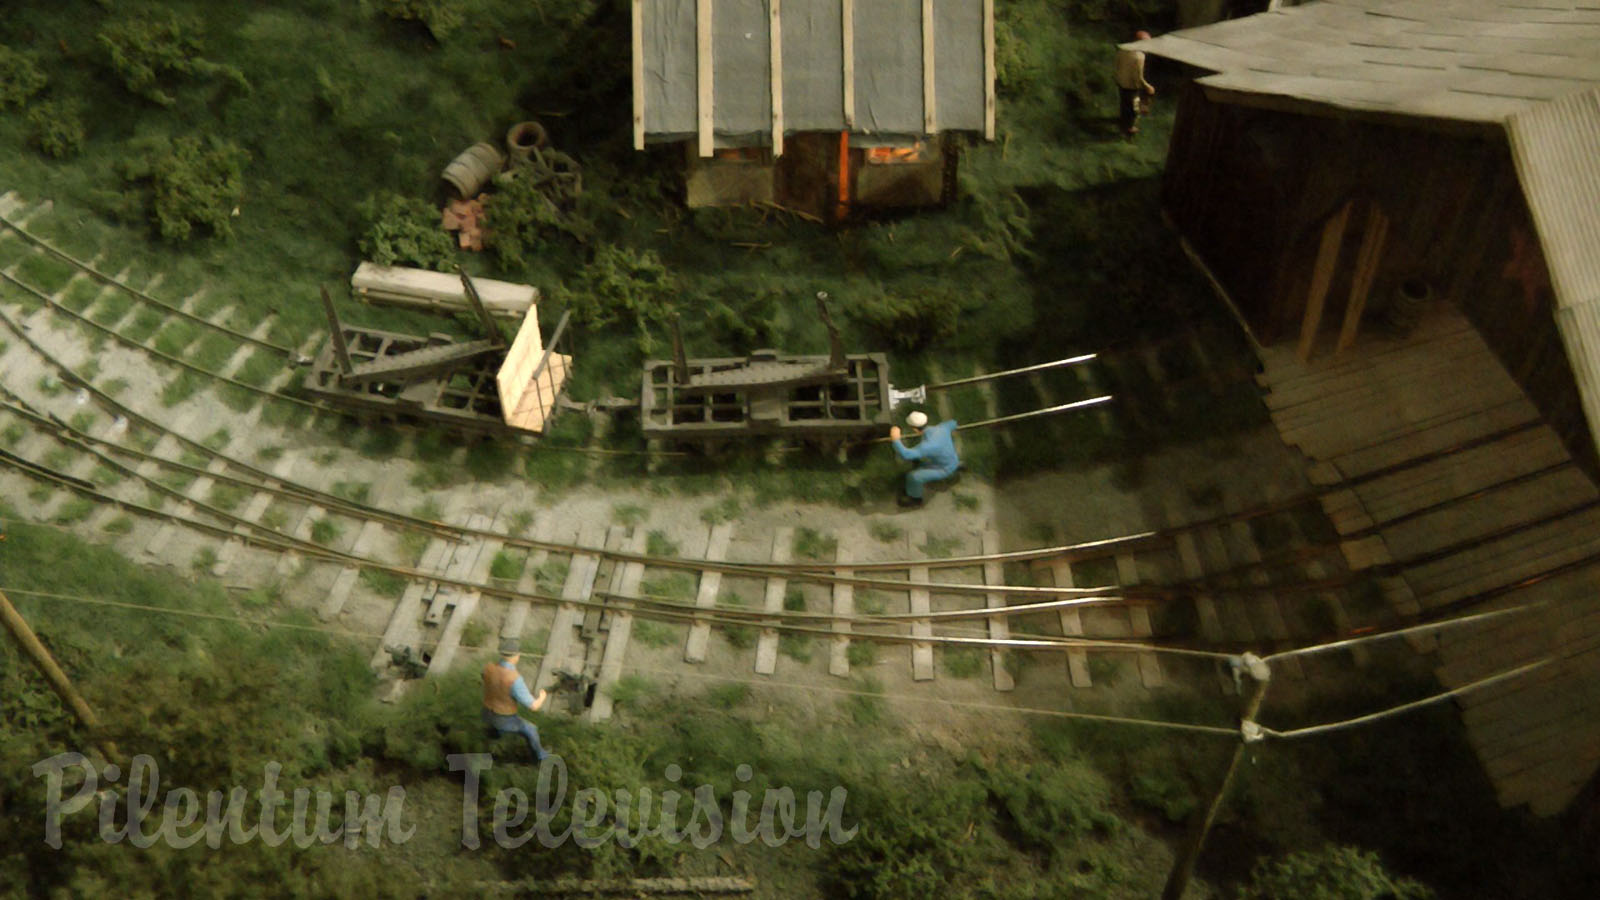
(113, 282)
(990, 376)
(65, 432)
(168, 358)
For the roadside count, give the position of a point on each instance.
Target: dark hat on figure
(510, 646)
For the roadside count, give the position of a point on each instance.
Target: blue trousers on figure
(499, 725)
(916, 478)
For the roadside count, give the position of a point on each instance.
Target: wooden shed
(1400, 200)
(816, 105)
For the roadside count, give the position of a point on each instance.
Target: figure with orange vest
(503, 689)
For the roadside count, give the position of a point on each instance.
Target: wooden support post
(988, 70)
(36, 650)
(775, 64)
(706, 96)
(1183, 866)
(847, 27)
(930, 118)
(1321, 279)
(638, 74)
(341, 351)
(1361, 284)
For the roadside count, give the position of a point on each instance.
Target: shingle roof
(1556, 147)
(1463, 60)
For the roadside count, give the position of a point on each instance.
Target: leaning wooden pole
(1183, 867)
(30, 644)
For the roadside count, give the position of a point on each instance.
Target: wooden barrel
(470, 171)
(523, 138)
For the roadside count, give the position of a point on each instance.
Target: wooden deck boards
(1389, 402)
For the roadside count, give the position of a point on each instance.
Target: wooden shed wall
(1253, 188)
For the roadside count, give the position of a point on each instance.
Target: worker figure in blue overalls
(935, 455)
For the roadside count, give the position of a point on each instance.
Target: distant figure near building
(935, 455)
(503, 689)
(1131, 86)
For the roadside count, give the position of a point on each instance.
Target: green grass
(354, 491)
(939, 547)
(325, 531)
(724, 510)
(385, 584)
(628, 514)
(657, 634)
(885, 532)
(961, 662)
(861, 654)
(507, 566)
(812, 544)
(229, 497)
(75, 510)
(658, 544)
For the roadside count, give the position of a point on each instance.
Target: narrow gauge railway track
(1059, 598)
(821, 573)
(87, 268)
(939, 611)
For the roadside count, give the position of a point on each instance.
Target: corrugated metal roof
(1556, 148)
(887, 62)
(1463, 60)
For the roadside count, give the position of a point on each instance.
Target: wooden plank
(847, 25)
(999, 626)
(1139, 623)
(471, 567)
(621, 628)
(921, 629)
(1321, 279)
(440, 291)
(767, 644)
(706, 96)
(402, 630)
(638, 74)
(694, 648)
(988, 70)
(579, 585)
(775, 65)
(930, 118)
(1071, 626)
(517, 618)
(844, 606)
(1361, 285)
(345, 581)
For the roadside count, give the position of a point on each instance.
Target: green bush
(404, 231)
(534, 202)
(1043, 808)
(914, 844)
(193, 182)
(621, 286)
(20, 78)
(909, 320)
(1332, 873)
(440, 17)
(144, 51)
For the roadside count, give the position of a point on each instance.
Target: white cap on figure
(917, 418)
